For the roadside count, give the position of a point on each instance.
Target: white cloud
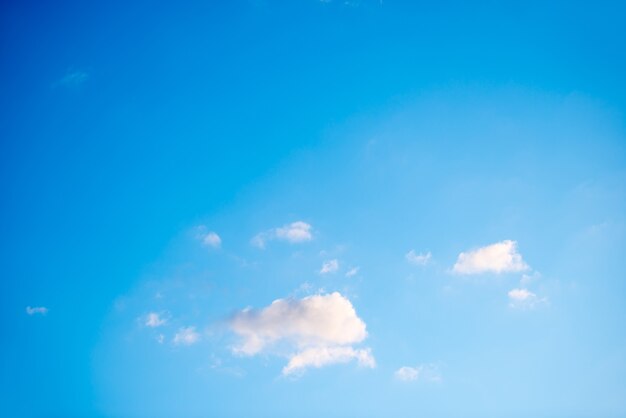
(500, 257)
(319, 330)
(353, 271)
(186, 336)
(161, 338)
(41, 310)
(524, 299)
(322, 356)
(208, 238)
(211, 239)
(418, 259)
(295, 232)
(406, 373)
(423, 372)
(154, 320)
(314, 320)
(330, 266)
(520, 294)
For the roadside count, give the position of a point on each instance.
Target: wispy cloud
(530, 278)
(186, 336)
(36, 310)
(501, 257)
(72, 78)
(418, 259)
(353, 272)
(320, 330)
(524, 299)
(423, 372)
(330, 266)
(154, 319)
(295, 232)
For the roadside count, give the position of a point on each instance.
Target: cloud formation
(41, 310)
(330, 266)
(295, 232)
(186, 336)
(418, 259)
(501, 257)
(319, 330)
(423, 372)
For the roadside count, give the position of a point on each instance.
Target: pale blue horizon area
(129, 131)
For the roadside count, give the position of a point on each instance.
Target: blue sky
(313, 208)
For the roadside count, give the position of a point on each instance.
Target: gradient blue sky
(459, 168)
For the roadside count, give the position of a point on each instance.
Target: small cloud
(501, 257)
(353, 271)
(186, 336)
(418, 259)
(524, 299)
(161, 338)
(212, 240)
(406, 373)
(72, 79)
(423, 372)
(295, 232)
(154, 320)
(330, 266)
(520, 294)
(36, 310)
(208, 238)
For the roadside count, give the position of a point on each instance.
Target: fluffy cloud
(186, 336)
(41, 310)
(423, 372)
(501, 257)
(418, 259)
(320, 330)
(330, 266)
(154, 320)
(524, 299)
(295, 232)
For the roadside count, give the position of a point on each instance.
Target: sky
(304, 208)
